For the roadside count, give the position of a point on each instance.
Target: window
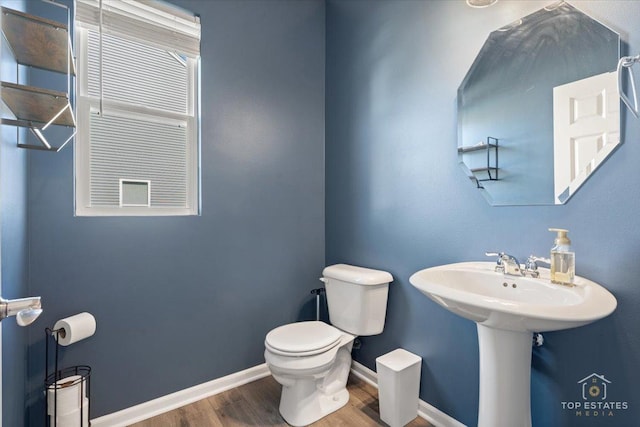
(137, 148)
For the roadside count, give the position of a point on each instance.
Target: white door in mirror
(586, 129)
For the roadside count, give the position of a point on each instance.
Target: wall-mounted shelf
(45, 44)
(492, 172)
(34, 106)
(489, 172)
(479, 147)
(38, 42)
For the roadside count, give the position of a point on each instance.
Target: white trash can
(398, 386)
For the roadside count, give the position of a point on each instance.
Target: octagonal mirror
(538, 110)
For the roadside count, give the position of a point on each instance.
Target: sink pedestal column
(505, 378)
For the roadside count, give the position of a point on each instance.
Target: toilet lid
(303, 337)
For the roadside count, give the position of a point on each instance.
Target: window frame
(87, 105)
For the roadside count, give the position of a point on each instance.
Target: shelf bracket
(46, 146)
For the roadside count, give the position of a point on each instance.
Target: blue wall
(180, 301)
(13, 251)
(183, 300)
(14, 254)
(396, 199)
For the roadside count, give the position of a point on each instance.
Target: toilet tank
(357, 298)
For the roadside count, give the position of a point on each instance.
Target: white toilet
(312, 360)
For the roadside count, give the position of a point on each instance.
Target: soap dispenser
(563, 261)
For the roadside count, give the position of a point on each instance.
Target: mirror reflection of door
(586, 129)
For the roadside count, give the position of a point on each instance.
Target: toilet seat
(303, 339)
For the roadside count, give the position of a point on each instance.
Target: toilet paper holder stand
(52, 381)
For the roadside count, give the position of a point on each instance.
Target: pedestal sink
(507, 310)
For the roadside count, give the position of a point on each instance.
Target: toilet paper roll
(67, 392)
(72, 419)
(75, 328)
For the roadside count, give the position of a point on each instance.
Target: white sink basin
(476, 292)
(507, 309)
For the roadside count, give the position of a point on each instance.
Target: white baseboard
(180, 398)
(425, 410)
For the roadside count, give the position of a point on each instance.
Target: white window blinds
(135, 155)
(137, 107)
(135, 73)
(154, 22)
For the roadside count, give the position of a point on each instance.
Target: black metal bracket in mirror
(545, 87)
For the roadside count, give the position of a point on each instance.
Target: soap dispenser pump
(563, 260)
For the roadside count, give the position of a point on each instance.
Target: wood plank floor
(256, 404)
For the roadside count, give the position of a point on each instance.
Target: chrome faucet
(507, 264)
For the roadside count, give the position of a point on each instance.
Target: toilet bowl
(314, 374)
(312, 359)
